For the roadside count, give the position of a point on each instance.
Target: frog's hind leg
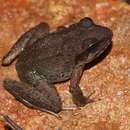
(27, 39)
(43, 97)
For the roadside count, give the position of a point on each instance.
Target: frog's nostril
(86, 22)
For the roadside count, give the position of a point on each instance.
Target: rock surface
(110, 79)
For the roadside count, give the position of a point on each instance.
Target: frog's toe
(82, 101)
(44, 98)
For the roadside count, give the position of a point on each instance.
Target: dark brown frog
(45, 58)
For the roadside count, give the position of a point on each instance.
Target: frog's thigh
(42, 97)
(27, 39)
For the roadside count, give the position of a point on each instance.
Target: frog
(46, 57)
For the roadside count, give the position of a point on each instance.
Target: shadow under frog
(45, 58)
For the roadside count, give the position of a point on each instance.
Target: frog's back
(52, 56)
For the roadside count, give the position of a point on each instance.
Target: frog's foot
(82, 101)
(43, 97)
(79, 99)
(77, 95)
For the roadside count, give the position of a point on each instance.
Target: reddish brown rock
(110, 78)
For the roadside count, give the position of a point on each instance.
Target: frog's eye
(86, 22)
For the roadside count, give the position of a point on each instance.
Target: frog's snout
(107, 33)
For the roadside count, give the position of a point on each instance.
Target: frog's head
(93, 30)
(97, 37)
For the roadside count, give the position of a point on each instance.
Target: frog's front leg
(44, 96)
(27, 39)
(77, 95)
(81, 60)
